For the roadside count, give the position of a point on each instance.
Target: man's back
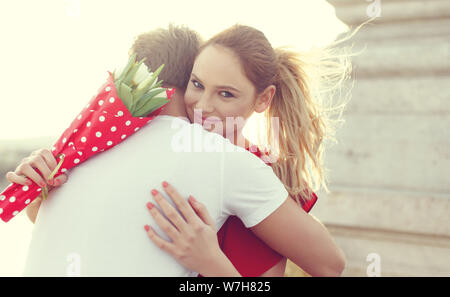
(93, 225)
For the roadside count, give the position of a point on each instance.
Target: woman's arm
(302, 239)
(33, 209)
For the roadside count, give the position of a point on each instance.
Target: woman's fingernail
(150, 205)
(28, 182)
(42, 184)
(165, 184)
(147, 227)
(154, 192)
(193, 199)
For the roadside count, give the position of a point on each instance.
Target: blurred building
(390, 172)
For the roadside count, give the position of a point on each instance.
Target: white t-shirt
(94, 224)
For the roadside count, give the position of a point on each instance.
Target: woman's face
(219, 90)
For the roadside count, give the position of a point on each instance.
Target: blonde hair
(306, 84)
(176, 47)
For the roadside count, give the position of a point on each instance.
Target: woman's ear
(265, 98)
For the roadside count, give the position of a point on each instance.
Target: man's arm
(297, 235)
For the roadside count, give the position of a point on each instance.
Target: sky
(55, 54)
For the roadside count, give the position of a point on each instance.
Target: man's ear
(264, 99)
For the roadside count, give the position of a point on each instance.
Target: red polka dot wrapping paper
(102, 124)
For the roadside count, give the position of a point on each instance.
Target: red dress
(250, 255)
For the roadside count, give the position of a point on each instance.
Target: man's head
(176, 47)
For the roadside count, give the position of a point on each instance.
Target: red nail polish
(150, 205)
(147, 227)
(165, 184)
(154, 192)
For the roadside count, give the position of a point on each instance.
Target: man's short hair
(176, 47)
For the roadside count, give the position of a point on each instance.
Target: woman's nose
(204, 105)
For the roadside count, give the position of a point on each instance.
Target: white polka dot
(140, 118)
(128, 123)
(63, 170)
(123, 136)
(100, 102)
(83, 139)
(88, 124)
(94, 149)
(1, 210)
(70, 143)
(12, 199)
(75, 131)
(15, 213)
(113, 129)
(53, 148)
(101, 118)
(87, 106)
(98, 134)
(80, 153)
(137, 128)
(76, 161)
(25, 188)
(120, 113)
(79, 117)
(109, 143)
(64, 140)
(39, 189)
(111, 100)
(2, 197)
(108, 89)
(27, 201)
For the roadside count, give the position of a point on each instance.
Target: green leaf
(131, 73)
(147, 96)
(131, 61)
(150, 106)
(126, 96)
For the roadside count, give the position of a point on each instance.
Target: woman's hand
(25, 173)
(194, 238)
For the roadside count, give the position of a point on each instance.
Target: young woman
(278, 87)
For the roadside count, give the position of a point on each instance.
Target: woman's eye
(196, 83)
(226, 94)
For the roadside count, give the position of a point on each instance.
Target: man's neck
(175, 107)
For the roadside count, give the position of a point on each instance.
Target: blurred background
(389, 204)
